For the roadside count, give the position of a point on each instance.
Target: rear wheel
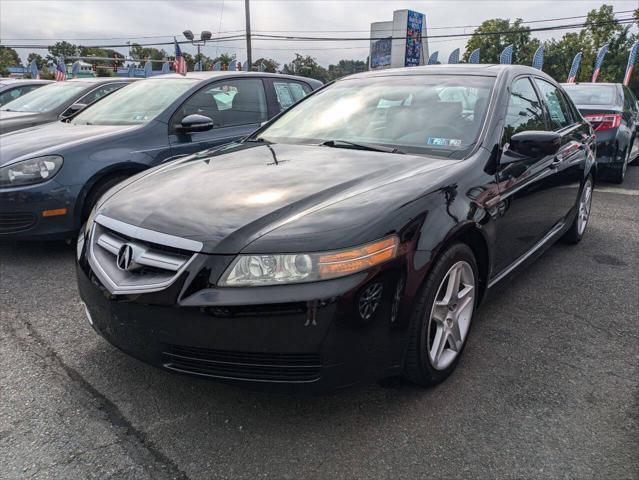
(578, 227)
(441, 321)
(97, 191)
(618, 174)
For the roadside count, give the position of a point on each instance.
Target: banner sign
(574, 69)
(454, 56)
(381, 52)
(632, 58)
(598, 61)
(474, 57)
(432, 60)
(538, 58)
(506, 56)
(414, 46)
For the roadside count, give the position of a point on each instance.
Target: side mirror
(535, 143)
(73, 109)
(195, 123)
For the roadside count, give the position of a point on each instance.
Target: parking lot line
(620, 191)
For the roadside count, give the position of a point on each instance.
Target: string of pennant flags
(506, 58)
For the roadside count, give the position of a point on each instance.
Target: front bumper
(308, 337)
(21, 210)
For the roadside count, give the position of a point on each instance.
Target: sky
(82, 21)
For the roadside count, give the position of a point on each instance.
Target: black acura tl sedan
(351, 238)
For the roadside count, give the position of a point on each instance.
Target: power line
(130, 37)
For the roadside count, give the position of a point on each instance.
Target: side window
(9, 95)
(560, 116)
(99, 92)
(524, 110)
(288, 92)
(228, 103)
(630, 102)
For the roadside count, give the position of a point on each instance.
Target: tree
(40, 62)
(8, 58)
(225, 59)
(65, 49)
(118, 58)
(346, 67)
(485, 37)
(142, 54)
(306, 66)
(269, 64)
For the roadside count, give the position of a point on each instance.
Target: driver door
(237, 107)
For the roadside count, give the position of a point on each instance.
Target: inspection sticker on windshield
(443, 142)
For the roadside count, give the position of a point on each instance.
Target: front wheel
(578, 227)
(443, 313)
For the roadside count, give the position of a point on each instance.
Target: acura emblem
(124, 260)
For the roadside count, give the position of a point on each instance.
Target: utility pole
(249, 58)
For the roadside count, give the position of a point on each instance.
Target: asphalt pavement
(548, 386)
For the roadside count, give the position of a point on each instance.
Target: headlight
(28, 172)
(276, 269)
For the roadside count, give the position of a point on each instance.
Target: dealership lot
(548, 386)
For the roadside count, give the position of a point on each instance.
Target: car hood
(227, 200)
(49, 139)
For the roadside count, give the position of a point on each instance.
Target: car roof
(479, 69)
(231, 74)
(8, 81)
(102, 79)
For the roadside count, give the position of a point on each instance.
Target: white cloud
(21, 20)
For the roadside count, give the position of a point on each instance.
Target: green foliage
(492, 45)
(8, 58)
(559, 53)
(306, 66)
(270, 64)
(40, 62)
(346, 67)
(103, 71)
(102, 52)
(62, 48)
(142, 54)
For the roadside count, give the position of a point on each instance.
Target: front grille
(16, 222)
(147, 266)
(265, 367)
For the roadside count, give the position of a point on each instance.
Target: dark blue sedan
(52, 175)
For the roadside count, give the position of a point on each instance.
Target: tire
(578, 228)
(618, 174)
(633, 161)
(97, 191)
(422, 365)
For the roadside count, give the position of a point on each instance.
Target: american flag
(180, 63)
(632, 58)
(538, 58)
(454, 56)
(574, 69)
(598, 61)
(432, 60)
(474, 57)
(506, 56)
(60, 70)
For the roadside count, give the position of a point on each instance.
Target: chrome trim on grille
(149, 235)
(105, 243)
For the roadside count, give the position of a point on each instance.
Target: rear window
(592, 94)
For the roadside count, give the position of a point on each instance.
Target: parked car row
(51, 175)
(351, 237)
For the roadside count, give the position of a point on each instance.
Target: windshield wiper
(258, 140)
(360, 146)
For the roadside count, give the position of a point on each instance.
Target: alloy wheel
(451, 315)
(585, 203)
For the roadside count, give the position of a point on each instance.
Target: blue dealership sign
(414, 45)
(381, 52)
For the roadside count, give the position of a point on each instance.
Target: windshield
(46, 98)
(431, 114)
(591, 94)
(136, 103)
